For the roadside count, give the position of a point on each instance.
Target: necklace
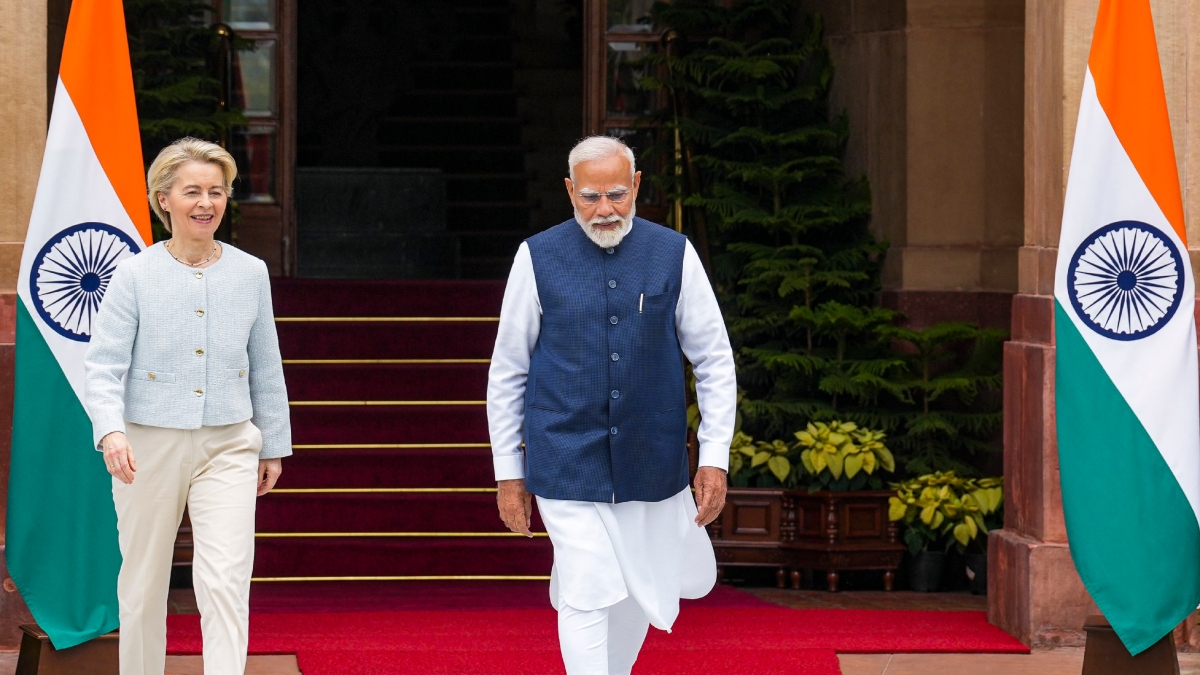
(191, 264)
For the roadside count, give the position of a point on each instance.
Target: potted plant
(840, 456)
(760, 464)
(982, 510)
(942, 510)
(841, 518)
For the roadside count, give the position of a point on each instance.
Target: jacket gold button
(150, 375)
(199, 275)
(199, 352)
(241, 373)
(199, 392)
(199, 312)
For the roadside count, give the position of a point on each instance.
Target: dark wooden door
(262, 83)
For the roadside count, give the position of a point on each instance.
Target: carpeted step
(382, 512)
(388, 424)
(322, 297)
(356, 557)
(387, 382)
(390, 468)
(387, 340)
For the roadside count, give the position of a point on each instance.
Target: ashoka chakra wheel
(1125, 280)
(71, 273)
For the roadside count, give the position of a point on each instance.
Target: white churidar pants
(214, 472)
(619, 568)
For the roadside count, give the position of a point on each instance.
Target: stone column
(1035, 592)
(23, 118)
(932, 90)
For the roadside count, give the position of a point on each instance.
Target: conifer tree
(176, 54)
(791, 253)
(793, 261)
(174, 50)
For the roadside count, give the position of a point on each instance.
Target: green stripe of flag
(62, 528)
(1129, 521)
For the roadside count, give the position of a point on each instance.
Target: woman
(185, 391)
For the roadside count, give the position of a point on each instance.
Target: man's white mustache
(601, 220)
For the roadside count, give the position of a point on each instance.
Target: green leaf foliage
(792, 258)
(943, 509)
(176, 52)
(785, 234)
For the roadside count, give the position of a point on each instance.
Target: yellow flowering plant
(944, 507)
(842, 456)
(760, 464)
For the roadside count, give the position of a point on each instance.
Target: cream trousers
(214, 472)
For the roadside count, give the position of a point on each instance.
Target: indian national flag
(1128, 416)
(90, 213)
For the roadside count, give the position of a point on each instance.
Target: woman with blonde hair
(186, 395)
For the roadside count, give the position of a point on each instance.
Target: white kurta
(603, 553)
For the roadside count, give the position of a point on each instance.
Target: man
(588, 372)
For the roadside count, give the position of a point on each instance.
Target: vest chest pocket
(655, 304)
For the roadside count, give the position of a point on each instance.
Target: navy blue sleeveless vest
(605, 408)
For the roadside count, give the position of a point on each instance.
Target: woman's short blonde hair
(163, 170)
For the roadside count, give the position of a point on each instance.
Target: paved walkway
(194, 665)
(1062, 661)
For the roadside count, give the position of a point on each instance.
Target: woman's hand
(268, 473)
(118, 457)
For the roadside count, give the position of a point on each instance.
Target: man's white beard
(607, 238)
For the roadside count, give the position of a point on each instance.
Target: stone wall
(24, 113)
(933, 93)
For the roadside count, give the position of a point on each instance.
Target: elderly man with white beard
(587, 411)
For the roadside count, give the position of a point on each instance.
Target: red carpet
(467, 631)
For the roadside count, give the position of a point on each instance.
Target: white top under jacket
(702, 337)
(181, 348)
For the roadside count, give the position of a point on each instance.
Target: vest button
(611, 250)
(616, 394)
(612, 283)
(613, 431)
(615, 356)
(613, 320)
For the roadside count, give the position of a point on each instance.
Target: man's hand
(268, 472)
(516, 505)
(710, 494)
(118, 457)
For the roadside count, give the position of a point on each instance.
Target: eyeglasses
(591, 197)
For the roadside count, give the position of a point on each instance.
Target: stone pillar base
(1034, 592)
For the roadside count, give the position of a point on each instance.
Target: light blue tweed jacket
(198, 348)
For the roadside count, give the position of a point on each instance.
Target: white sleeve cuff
(714, 455)
(509, 467)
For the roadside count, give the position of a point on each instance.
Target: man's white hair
(599, 147)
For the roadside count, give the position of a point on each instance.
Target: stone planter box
(792, 530)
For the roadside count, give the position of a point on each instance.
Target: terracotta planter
(792, 530)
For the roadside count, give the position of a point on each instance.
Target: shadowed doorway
(431, 137)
